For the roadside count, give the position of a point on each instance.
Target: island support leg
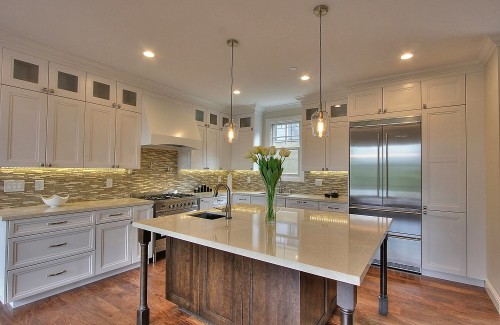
(143, 310)
(346, 300)
(383, 300)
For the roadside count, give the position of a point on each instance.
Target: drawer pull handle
(58, 245)
(54, 274)
(335, 208)
(116, 215)
(56, 223)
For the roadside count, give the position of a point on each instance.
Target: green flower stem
(271, 197)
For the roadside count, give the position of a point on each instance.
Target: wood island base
(224, 288)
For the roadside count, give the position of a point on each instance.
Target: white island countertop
(337, 246)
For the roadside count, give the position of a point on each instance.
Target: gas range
(170, 203)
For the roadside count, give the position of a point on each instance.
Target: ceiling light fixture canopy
(231, 128)
(320, 120)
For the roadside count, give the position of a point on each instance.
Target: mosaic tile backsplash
(158, 172)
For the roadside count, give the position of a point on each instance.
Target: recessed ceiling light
(304, 77)
(236, 92)
(148, 54)
(406, 56)
(293, 68)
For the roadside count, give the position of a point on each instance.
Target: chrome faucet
(227, 209)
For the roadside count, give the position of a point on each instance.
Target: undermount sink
(278, 194)
(207, 215)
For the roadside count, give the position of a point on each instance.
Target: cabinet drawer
(302, 204)
(261, 200)
(28, 250)
(241, 199)
(28, 281)
(111, 215)
(334, 207)
(33, 226)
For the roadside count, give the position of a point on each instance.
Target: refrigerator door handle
(378, 164)
(386, 165)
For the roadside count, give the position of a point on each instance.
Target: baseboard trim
(42, 295)
(494, 296)
(454, 278)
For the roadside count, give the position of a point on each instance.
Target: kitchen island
(245, 271)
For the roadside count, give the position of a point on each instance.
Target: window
(287, 135)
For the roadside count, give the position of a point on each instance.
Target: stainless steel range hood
(168, 124)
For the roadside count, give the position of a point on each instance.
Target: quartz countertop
(312, 197)
(338, 246)
(45, 211)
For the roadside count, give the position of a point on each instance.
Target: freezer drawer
(403, 254)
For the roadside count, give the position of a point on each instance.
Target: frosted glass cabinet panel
(24, 71)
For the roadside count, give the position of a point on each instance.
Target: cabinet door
(213, 120)
(243, 144)
(260, 200)
(225, 152)
(200, 116)
(313, 150)
(101, 90)
(65, 132)
(307, 111)
(24, 71)
(112, 246)
(212, 149)
(337, 146)
(224, 119)
(245, 122)
(198, 157)
(403, 97)
(241, 199)
(99, 148)
(23, 125)
(444, 242)
(337, 110)
(140, 213)
(444, 159)
(365, 102)
(129, 98)
(128, 140)
(302, 204)
(66, 82)
(441, 92)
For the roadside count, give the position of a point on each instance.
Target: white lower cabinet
(261, 200)
(241, 199)
(27, 281)
(444, 242)
(112, 246)
(139, 213)
(333, 207)
(302, 204)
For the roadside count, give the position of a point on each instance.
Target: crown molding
(490, 43)
(283, 107)
(22, 44)
(470, 67)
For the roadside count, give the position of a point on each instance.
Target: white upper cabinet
(66, 82)
(244, 142)
(212, 147)
(365, 102)
(213, 120)
(25, 71)
(224, 150)
(245, 122)
(65, 132)
(101, 90)
(200, 116)
(444, 173)
(441, 92)
(401, 97)
(337, 110)
(23, 123)
(128, 140)
(129, 98)
(100, 125)
(198, 156)
(337, 147)
(208, 118)
(307, 111)
(313, 150)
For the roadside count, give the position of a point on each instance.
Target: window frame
(283, 120)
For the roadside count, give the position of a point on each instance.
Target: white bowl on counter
(55, 200)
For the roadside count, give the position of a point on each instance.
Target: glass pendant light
(320, 120)
(231, 128)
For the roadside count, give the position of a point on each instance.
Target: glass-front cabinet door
(200, 116)
(245, 122)
(129, 97)
(101, 90)
(24, 71)
(213, 120)
(66, 82)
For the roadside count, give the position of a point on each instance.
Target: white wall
(492, 147)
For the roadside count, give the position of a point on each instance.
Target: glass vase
(271, 204)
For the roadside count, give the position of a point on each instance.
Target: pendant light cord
(232, 63)
(320, 66)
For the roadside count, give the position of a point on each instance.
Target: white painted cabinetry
(243, 144)
(302, 204)
(66, 81)
(25, 71)
(444, 219)
(128, 140)
(100, 128)
(365, 102)
(244, 199)
(337, 147)
(442, 92)
(139, 213)
(208, 156)
(313, 150)
(101, 90)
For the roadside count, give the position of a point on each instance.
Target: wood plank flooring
(412, 300)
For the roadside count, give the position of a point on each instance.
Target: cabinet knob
(424, 106)
(45, 89)
(50, 165)
(51, 91)
(42, 165)
(117, 166)
(113, 166)
(385, 109)
(424, 207)
(113, 105)
(425, 212)
(119, 106)
(379, 110)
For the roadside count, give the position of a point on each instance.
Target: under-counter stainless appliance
(167, 204)
(385, 179)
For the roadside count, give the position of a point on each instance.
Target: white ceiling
(363, 39)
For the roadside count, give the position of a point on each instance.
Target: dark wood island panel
(225, 288)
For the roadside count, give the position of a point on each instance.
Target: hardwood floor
(412, 300)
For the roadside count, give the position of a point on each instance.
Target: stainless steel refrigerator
(385, 179)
